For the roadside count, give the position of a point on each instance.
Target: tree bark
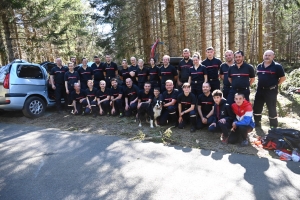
(7, 33)
(260, 32)
(161, 27)
(3, 55)
(203, 27)
(172, 36)
(146, 28)
(250, 30)
(231, 24)
(212, 17)
(182, 17)
(221, 31)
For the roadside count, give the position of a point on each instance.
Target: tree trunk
(172, 36)
(3, 55)
(221, 31)
(250, 31)
(182, 17)
(146, 28)
(161, 27)
(260, 32)
(231, 24)
(5, 22)
(212, 17)
(203, 27)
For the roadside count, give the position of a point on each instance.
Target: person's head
(169, 85)
(102, 84)
(141, 63)
(133, 61)
(186, 87)
(58, 61)
(124, 63)
(90, 83)
(114, 82)
(147, 86)
(206, 88)
(269, 56)
(156, 91)
(152, 61)
(166, 60)
(84, 62)
(77, 87)
(217, 96)
(239, 98)
(239, 57)
(96, 59)
(73, 59)
(210, 52)
(71, 66)
(196, 58)
(229, 56)
(186, 54)
(128, 82)
(108, 58)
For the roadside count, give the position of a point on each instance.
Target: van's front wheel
(34, 107)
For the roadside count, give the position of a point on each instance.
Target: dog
(157, 111)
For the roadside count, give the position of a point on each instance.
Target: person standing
(141, 74)
(197, 75)
(154, 75)
(270, 75)
(57, 80)
(212, 65)
(132, 70)
(241, 76)
(167, 72)
(183, 69)
(70, 78)
(224, 72)
(111, 70)
(98, 72)
(124, 72)
(85, 73)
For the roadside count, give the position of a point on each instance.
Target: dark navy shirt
(212, 67)
(224, 71)
(98, 71)
(133, 69)
(154, 74)
(197, 76)
(143, 97)
(167, 98)
(240, 76)
(91, 94)
(124, 73)
(131, 93)
(184, 68)
(116, 91)
(71, 78)
(142, 75)
(206, 103)
(268, 77)
(167, 73)
(110, 69)
(76, 97)
(103, 95)
(85, 74)
(59, 74)
(186, 101)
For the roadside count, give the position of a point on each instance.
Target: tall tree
(183, 23)
(172, 33)
(212, 18)
(203, 27)
(231, 24)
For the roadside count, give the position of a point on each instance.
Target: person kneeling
(186, 107)
(223, 116)
(144, 101)
(243, 124)
(77, 96)
(103, 97)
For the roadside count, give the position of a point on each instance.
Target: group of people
(189, 94)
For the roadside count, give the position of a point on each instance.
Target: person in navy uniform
(154, 75)
(224, 72)
(205, 107)
(167, 72)
(169, 111)
(241, 76)
(98, 72)
(144, 101)
(116, 100)
(132, 69)
(70, 78)
(186, 108)
(73, 60)
(103, 99)
(183, 69)
(78, 96)
(57, 80)
(197, 75)
(124, 72)
(270, 75)
(212, 65)
(141, 74)
(110, 70)
(85, 73)
(131, 97)
(90, 102)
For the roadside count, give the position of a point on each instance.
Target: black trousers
(233, 91)
(214, 84)
(226, 90)
(60, 92)
(168, 114)
(270, 98)
(118, 104)
(240, 133)
(132, 108)
(93, 105)
(220, 127)
(188, 118)
(197, 89)
(78, 106)
(105, 107)
(145, 108)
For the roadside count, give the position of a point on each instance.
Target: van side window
(29, 71)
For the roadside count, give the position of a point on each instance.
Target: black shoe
(192, 130)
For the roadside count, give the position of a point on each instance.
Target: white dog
(157, 111)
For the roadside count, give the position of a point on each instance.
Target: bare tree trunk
(231, 24)
(161, 26)
(250, 31)
(203, 27)
(3, 55)
(146, 28)
(221, 31)
(172, 36)
(5, 22)
(212, 17)
(182, 16)
(260, 32)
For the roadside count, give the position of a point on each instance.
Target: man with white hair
(270, 75)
